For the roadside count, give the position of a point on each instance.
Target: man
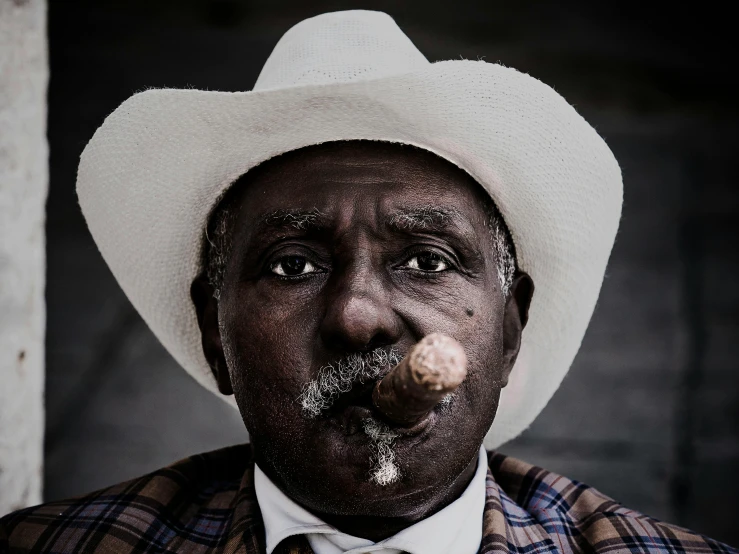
(290, 245)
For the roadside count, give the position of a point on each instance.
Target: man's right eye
(293, 266)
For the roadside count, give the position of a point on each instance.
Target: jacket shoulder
(150, 511)
(586, 519)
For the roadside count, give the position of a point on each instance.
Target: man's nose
(359, 315)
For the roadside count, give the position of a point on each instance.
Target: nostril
(359, 324)
(380, 340)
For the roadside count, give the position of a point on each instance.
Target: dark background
(649, 413)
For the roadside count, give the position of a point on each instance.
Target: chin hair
(384, 469)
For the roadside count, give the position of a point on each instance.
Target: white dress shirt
(455, 529)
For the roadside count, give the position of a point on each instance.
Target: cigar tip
(438, 362)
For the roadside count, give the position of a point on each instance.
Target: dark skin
(353, 279)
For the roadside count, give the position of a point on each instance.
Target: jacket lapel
(506, 527)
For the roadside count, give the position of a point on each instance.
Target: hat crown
(340, 47)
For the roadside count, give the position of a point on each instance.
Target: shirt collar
(457, 528)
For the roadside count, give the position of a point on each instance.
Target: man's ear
(515, 318)
(206, 308)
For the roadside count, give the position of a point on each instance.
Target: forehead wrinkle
(352, 178)
(353, 162)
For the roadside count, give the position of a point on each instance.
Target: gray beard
(338, 378)
(384, 469)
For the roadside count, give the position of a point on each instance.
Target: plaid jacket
(207, 503)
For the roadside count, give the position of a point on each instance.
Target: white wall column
(23, 187)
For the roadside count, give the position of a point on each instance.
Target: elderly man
(291, 245)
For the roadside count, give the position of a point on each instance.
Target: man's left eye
(293, 266)
(427, 261)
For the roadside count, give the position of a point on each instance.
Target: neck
(378, 528)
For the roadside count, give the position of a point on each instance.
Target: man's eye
(292, 266)
(427, 261)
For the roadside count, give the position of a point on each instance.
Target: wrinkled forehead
(336, 178)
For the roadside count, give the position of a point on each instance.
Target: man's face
(345, 249)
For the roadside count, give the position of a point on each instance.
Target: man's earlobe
(515, 318)
(206, 308)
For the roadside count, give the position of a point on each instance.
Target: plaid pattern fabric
(206, 503)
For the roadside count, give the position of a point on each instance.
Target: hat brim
(151, 174)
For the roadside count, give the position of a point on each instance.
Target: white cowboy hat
(152, 173)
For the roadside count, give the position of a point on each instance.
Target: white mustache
(338, 378)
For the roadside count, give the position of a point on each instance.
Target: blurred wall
(649, 413)
(23, 183)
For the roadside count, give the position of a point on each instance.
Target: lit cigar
(432, 369)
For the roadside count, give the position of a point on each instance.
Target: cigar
(432, 369)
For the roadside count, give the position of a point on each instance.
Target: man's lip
(351, 419)
(359, 395)
(354, 406)
(417, 428)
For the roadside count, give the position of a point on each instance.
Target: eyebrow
(423, 218)
(302, 220)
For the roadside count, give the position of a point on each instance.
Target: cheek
(485, 355)
(473, 315)
(269, 353)
(469, 311)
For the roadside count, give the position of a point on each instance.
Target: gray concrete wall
(648, 413)
(23, 184)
